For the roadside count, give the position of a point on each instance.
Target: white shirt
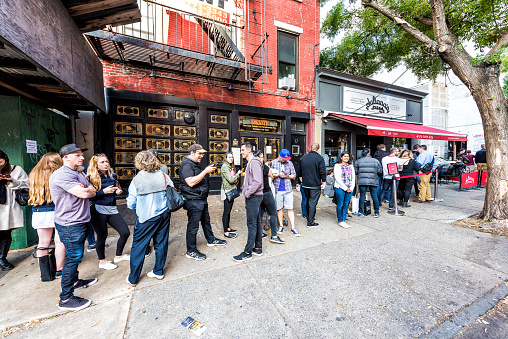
(390, 160)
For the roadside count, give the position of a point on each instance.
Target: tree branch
(392, 15)
(441, 30)
(425, 21)
(503, 41)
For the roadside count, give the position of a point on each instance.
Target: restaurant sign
(248, 124)
(217, 10)
(373, 104)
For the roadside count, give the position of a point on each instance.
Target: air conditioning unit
(287, 83)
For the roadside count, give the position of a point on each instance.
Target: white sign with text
(373, 104)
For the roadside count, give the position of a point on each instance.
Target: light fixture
(230, 87)
(152, 74)
(288, 96)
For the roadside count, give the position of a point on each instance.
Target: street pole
(394, 192)
(436, 199)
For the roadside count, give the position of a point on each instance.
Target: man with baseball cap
(194, 187)
(70, 192)
(283, 171)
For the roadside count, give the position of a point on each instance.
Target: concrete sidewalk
(392, 277)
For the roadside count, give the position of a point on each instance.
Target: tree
(427, 37)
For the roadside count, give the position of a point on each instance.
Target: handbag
(232, 195)
(22, 196)
(47, 263)
(174, 201)
(367, 210)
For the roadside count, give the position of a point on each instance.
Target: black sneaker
(85, 283)
(242, 257)
(264, 235)
(58, 274)
(74, 304)
(277, 240)
(91, 248)
(195, 255)
(257, 251)
(313, 225)
(217, 242)
(304, 216)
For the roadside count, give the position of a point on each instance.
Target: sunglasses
(99, 155)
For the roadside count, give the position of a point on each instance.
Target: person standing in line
(417, 179)
(252, 190)
(312, 174)
(379, 155)
(481, 158)
(147, 195)
(104, 211)
(388, 178)
(43, 208)
(469, 161)
(409, 167)
(71, 192)
(368, 170)
(12, 178)
(283, 172)
(194, 187)
(268, 202)
(344, 174)
(462, 153)
(229, 182)
(425, 159)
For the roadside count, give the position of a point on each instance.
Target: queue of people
(68, 203)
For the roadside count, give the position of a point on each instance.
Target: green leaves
(370, 42)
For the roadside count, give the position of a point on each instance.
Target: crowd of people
(70, 202)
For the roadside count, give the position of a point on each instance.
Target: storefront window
(335, 144)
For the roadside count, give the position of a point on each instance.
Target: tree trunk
(488, 95)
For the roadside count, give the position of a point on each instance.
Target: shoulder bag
(21, 195)
(232, 195)
(174, 201)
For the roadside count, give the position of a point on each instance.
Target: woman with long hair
(344, 174)
(409, 167)
(229, 181)
(103, 210)
(12, 178)
(43, 208)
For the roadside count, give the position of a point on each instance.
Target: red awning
(401, 129)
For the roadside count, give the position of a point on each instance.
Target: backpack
(427, 167)
(465, 160)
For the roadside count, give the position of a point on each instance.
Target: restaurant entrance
(264, 134)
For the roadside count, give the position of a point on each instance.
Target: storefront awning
(400, 129)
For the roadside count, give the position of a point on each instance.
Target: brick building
(214, 72)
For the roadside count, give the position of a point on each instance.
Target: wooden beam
(91, 6)
(37, 80)
(120, 18)
(17, 64)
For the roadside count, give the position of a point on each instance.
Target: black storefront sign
(249, 124)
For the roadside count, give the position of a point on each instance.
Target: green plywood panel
(24, 120)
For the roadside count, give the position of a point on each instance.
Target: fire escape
(189, 42)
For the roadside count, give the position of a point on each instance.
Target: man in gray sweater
(252, 190)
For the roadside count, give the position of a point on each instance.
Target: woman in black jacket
(103, 210)
(410, 166)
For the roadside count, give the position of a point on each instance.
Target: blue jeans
(73, 237)
(254, 224)
(387, 184)
(304, 202)
(343, 198)
(373, 194)
(90, 237)
(158, 229)
(380, 188)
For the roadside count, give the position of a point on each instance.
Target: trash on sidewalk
(194, 325)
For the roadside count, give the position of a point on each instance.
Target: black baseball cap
(69, 149)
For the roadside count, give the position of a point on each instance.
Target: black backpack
(428, 166)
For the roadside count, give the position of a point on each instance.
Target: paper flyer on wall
(195, 326)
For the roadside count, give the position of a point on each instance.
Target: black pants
(100, 225)
(268, 204)
(312, 195)
(5, 243)
(226, 214)
(406, 184)
(197, 210)
(417, 190)
(254, 224)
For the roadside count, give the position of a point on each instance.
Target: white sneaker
(108, 265)
(125, 257)
(153, 275)
(344, 225)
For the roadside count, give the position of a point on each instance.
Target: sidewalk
(392, 277)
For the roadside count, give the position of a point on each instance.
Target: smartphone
(215, 165)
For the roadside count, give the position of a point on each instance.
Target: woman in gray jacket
(229, 181)
(368, 170)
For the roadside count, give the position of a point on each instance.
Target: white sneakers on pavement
(108, 265)
(153, 275)
(125, 257)
(344, 225)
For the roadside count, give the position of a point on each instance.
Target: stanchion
(436, 199)
(394, 192)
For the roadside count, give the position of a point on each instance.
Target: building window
(287, 56)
